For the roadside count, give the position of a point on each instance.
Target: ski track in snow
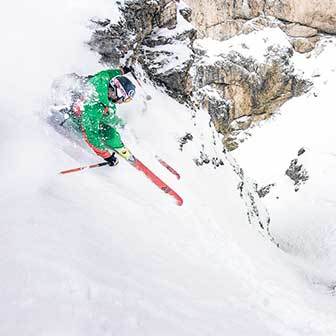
(104, 251)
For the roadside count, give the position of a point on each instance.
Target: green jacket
(99, 119)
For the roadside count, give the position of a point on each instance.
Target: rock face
(219, 17)
(301, 21)
(238, 87)
(241, 84)
(320, 14)
(157, 34)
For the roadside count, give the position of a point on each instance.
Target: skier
(94, 111)
(90, 105)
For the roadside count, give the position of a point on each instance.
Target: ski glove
(112, 160)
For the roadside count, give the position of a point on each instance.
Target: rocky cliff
(301, 21)
(222, 18)
(243, 81)
(239, 82)
(157, 34)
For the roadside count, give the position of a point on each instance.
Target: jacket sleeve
(115, 121)
(91, 123)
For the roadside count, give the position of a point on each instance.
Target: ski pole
(73, 170)
(135, 77)
(148, 97)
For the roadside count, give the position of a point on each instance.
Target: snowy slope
(303, 221)
(104, 252)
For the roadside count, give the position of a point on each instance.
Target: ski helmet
(123, 88)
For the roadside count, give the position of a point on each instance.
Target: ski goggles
(119, 92)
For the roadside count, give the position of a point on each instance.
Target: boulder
(297, 30)
(319, 14)
(304, 45)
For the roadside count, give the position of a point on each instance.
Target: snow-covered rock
(295, 153)
(156, 34)
(248, 76)
(223, 19)
(244, 80)
(302, 38)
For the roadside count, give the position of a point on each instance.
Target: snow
(304, 122)
(177, 53)
(182, 24)
(254, 45)
(172, 57)
(104, 252)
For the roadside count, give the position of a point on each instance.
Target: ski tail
(168, 167)
(157, 181)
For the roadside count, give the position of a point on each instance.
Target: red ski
(167, 166)
(127, 155)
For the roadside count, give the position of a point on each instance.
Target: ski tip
(179, 202)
